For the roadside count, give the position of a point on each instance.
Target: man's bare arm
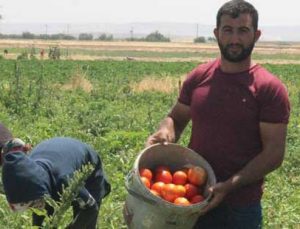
(172, 126)
(273, 139)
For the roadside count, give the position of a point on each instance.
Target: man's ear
(257, 35)
(216, 33)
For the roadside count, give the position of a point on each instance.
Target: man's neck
(232, 67)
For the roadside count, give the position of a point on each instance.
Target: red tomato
(146, 182)
(158, 186)
(191, 190)
(163, 176)
(182, 201)
(197, 199)
(144, 172)
(197, 175)
(180, 190)
(169, 192)
(179, 177)
(154, 192)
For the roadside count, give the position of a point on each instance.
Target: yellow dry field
(267, 48)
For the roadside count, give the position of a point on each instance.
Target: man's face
(236, 37)
(20, 207)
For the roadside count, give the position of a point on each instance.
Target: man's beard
(236, 57)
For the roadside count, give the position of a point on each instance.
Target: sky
(271, 12)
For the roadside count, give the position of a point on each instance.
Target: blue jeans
(228, 217)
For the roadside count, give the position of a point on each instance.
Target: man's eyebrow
(244, 27)
(226, 27)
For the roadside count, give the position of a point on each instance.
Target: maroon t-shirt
(226, 110)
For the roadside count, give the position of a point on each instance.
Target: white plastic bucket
(143, 209)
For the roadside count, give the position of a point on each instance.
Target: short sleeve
(187, 89)
(194, 79)
(275, 105)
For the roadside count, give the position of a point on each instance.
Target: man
(239, 113)
(49, 166)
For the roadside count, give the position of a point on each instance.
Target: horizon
(140, 29)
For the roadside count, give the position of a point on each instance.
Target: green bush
(157, 37)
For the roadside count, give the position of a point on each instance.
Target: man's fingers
(157, 139)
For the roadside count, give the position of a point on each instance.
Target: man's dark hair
(234, 8)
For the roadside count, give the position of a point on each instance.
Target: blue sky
(272, 12)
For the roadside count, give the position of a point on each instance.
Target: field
(265, 52)
(112, 95)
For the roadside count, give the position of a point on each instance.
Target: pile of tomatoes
(182, 187)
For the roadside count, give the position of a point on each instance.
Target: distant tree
(85, 36)
(199, 40)
(135, 39)
(68, 37)
(105, 37)
(58, 36)
(28, 35)
(157, 37)
(44, 36)
(211, 39)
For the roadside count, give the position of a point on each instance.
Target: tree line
(152, 37)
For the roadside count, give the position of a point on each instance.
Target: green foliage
(152, 37)
(211, 39)
(199, 40)
(105, 37)
(23, 56)
(54, 53)
(116, 120)
(11, 220)
(156, 37)
(85, 36)
(27, 35)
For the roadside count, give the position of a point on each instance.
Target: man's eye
(227, 30)
(244, 30)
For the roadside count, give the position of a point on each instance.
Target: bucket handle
(134, 193)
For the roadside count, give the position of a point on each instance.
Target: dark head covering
(23, 179)
(12, 145)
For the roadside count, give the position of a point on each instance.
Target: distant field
(265, 52)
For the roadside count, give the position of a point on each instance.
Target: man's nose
(235, 38)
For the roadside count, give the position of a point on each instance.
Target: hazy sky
(272, 12)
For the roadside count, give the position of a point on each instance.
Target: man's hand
(172, 126)
(162, 136)
(218, 191)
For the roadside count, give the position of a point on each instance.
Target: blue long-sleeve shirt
(50, 165)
